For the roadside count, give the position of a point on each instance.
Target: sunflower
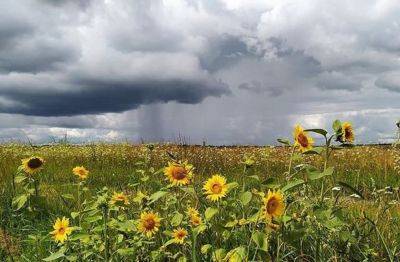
(301, 139)
(215, 187)
(32, 165)
(61, 230)
(347, 132)
(274, 205)
(179, 235)
(149, 223)
(119, 199)
(194, 216)
(81, 172)
(179, 174)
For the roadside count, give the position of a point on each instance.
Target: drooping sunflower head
(215, 187)
(81, 172)
(301, 139)
(179, 235)
(179, 174)
(194, 216)
(347, 132)
(149, 223)
(120, 199)
(61, 230)
(274, 205)
(32, 165)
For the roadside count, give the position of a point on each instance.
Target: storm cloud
(224, 71)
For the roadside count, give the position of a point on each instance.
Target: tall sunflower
(347, 132)
(81, 172)
(119, 199)
(32, 165)
(149, 223)
(179, 174)
(301, 139)
(179, 235)
(274, 205)
(61, 230)
(215, 187)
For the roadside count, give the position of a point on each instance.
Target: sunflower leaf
(210, 213)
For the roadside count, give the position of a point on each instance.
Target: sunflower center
(181, 234)
(302, 139)
(179, 173)
(61, 230)
(216, 188)
(35, 163)
(149, 224)
(347, 133)
(272, 205)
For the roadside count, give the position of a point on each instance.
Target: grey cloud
(389, 81)
(337, 80)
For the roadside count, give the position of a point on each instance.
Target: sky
(220, 71)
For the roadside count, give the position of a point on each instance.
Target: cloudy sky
(223, 71)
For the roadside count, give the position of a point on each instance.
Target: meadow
(168, 202)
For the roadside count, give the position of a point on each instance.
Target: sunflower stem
(105, 220)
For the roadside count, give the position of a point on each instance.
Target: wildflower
(179, 235)
(61, 230)
(32, 165)
(119, 199)
(179, 174)
(274, 205)
(194, 216)
(149, 223)
(81, 172)
(301, 139)
(215, 188)
(347, 133)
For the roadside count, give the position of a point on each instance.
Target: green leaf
(219, 254)
(232, 185)
(337, 126)
(245, 198)
(261, 240)
(67, 196)
(210, 212)
(157, 195)
(292, 184)
(231, 223)
(284, 141)
(314, 175)
(20, 201)
(126, 251)
(19, 179)
(314, 151)
(205, 248)
(74, 214)
(318, 131)
(177, 219)
(271, 182)
(56, 255)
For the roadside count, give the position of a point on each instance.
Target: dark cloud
(389, 81)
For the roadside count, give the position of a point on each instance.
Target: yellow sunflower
(274, 205)
(194, 216)
(119, 199)
(347, 132)
(61, 230)
(149, 223)
(32, 165)
(215, 187)
(81, 172)
(179, 235)
(179, 174)
(301, 139)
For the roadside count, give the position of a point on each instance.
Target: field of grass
(350, 214)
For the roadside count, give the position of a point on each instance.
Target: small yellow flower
(149, 223)
(61, 230)
(274, 205)
(179, 174)
(81, 172)
(347, 132)
(242, 222)
(215, 187)
(301, 139)
(194, 216)
(119, 199)
(179, 235)
(32, 165)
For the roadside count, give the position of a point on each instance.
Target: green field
(350, 214)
